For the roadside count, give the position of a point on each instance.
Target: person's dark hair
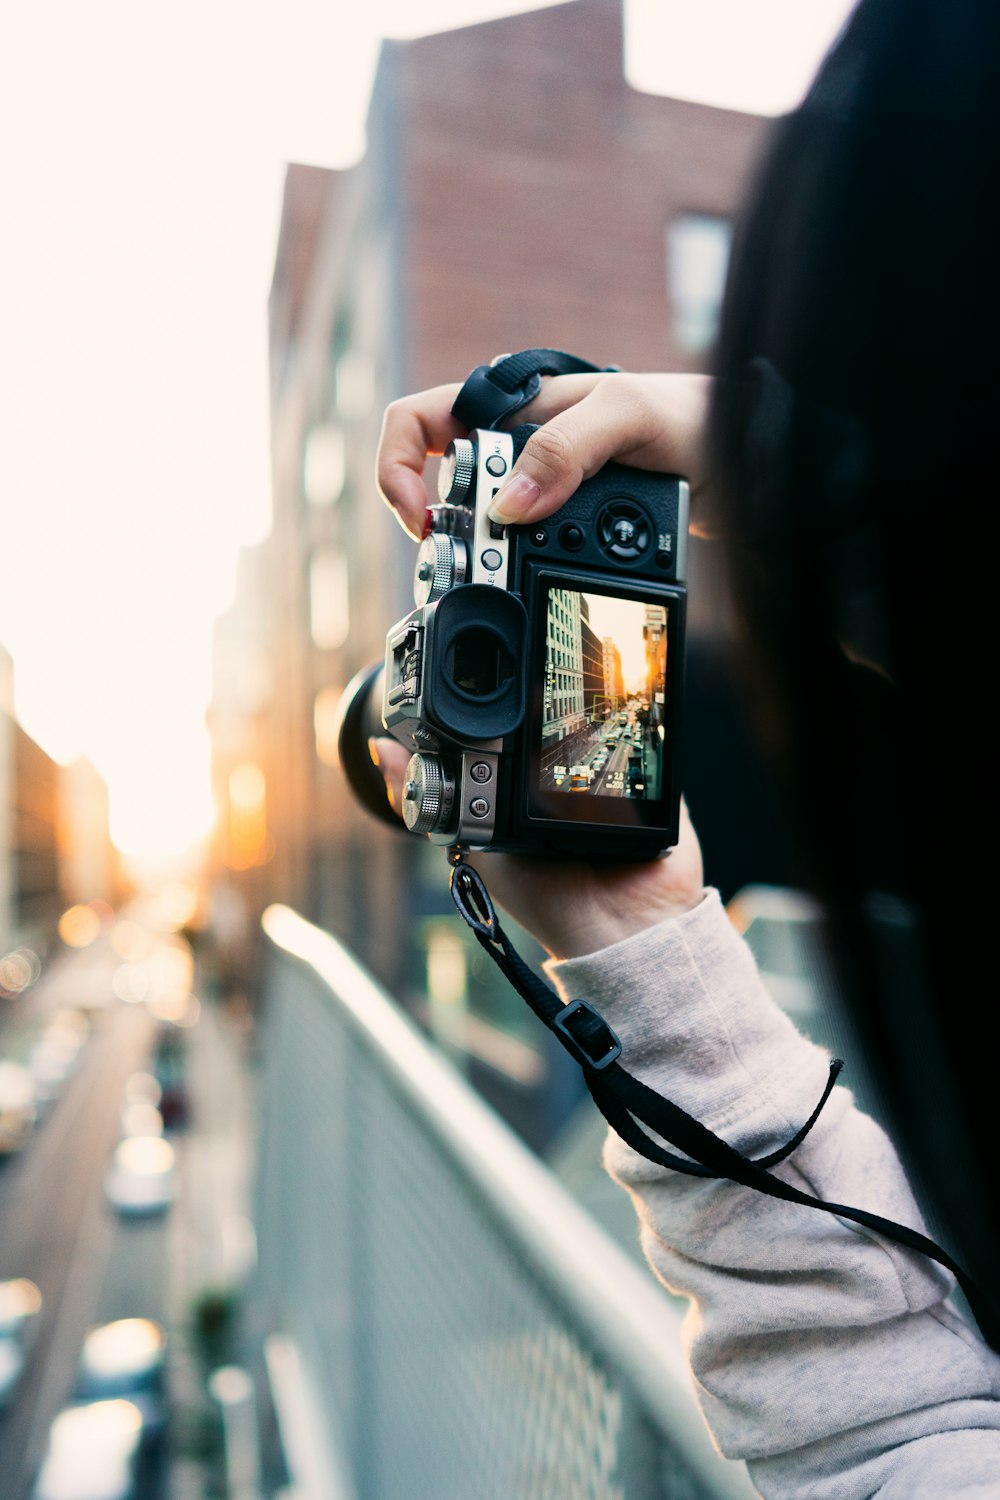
(853, 436)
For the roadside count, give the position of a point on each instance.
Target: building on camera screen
(604, 691)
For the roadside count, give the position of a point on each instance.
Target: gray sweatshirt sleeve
(828, 1359)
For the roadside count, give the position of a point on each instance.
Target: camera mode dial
(441, 562)
(457, 471)
(427, 794)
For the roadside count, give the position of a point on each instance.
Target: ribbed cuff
(695, 1019)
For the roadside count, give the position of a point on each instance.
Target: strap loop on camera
(492, 393)
(473, 901)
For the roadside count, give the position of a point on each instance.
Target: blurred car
(140, 1119)
(600, 760)
(127, 1358)
(580, 778)
(17, 1106)
(92, 1453)
(20, 1304)
(170, 1071)
(56, 1054)
(636, 777)
(142, 1176)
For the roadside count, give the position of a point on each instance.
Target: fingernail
(513, 499)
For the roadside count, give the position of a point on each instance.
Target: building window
(323, 465)
(698, 247)
(328, 608)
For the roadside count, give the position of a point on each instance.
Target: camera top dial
(442, 562)
(457, 471)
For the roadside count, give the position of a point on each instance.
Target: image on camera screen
(604, 695)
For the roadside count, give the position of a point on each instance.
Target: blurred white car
(55, 1055)
(17, 1106)
(20, 1304)
(142, 1177)
(92, 1453)
(126, 1358)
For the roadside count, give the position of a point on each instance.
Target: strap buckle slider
(587, 1036)
(483, 402)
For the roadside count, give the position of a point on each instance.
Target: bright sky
(622, 619)
(141, 157)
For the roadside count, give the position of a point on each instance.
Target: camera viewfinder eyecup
(474, 685)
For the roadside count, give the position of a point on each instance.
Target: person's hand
(570, 907)
(653, 422)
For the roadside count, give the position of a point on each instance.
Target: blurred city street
(93, 1263)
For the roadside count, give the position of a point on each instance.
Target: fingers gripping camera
(538, 680)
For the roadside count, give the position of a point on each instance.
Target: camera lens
(360, 719)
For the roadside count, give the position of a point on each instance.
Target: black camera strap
(628, 1104)
(495, 392)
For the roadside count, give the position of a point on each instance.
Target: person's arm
(827, 1358)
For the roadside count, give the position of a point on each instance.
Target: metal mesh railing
(466, 1330)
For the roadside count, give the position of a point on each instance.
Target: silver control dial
(457, 471)
(441, 562)
(428, 794)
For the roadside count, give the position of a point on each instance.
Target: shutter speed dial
(442, 562)
(457, 471)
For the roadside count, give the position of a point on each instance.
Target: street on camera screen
(603, 707)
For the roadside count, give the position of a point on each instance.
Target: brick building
(55, 847)
(515, 192)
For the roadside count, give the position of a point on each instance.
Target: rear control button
(481, 771)
(571, 537)
(539, 536)
(623, 529)
(496, 465)
(491, 560)
(479, 807)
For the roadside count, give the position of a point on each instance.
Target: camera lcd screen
(601, 750)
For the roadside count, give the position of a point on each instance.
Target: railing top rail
(630, 1321)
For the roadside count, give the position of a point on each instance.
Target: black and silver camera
(538, 680)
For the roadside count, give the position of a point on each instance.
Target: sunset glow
(143, 164)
